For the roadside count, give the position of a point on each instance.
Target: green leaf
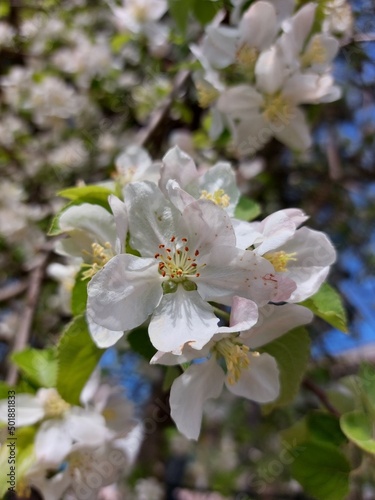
(77, 356)
(98, 195)
(205, 10)
(39, 366)
(359, 427)
(79, 293)
(327, 304)
(324, 427)
(119, 40)
(291, 352)
(140, 342)
(179, 10)
(322, 470)
(54, 229)
(171, 373)
(367, 381)
(247, 209)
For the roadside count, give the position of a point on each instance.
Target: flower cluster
(258, 73)
(173, 255)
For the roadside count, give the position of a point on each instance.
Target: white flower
(248, 374)
(134, 165)
(304, 255)
(192, 258)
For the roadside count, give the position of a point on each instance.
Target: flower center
(140, 13)
(235, 355)
(81, 463)
(99, 257)
(124, 175)
(55, 406)
(178, 262)
(246, 57)
(316, 54)
(219, 197)
(207, 94)
(276, 109)
(280, 260)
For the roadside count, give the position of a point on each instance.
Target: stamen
(100, 256)
(235, 355)
(219, 197)
(277, 109)
(55, 406)
(280, 260)
(207, 94)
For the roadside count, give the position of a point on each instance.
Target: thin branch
(33, 292)
(321, 395)
(11, 291)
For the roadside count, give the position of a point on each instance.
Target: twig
(147, 134)
(10, 291)
(321, 395)
(33, 291)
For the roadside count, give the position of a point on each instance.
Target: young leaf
(291, 352)
(325, 427)
(179, 10)
(79, 293)
(77, 357)
(39, 366)
(322, 470)
(247, 209)
(359, 428)
(98, 195)
(327, 304)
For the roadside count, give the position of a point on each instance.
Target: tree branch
(321, 395)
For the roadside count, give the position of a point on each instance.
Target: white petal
(134, 157)
(275, 321)
(270, 71)
(189, 393)
(152, 218)
(244, 315)
(125, 292)
(308, 281)
(330, 45)
(219, 45)
(238, 101)
(86, 427)
(260, 382)
(258, 26)
(180, 198)
(28, 410)
(178, 166)
(246, 233)
(296, 134)
(300, 25)
(103, 337)
(120, 214)
(91, 387)
(182, 317)
(53, 442)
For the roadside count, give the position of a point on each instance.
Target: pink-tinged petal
(206, 225)
(29, 410)
(247, 233)
(295, 134)
(125, 292)
(152, 218)
(260, 382)
(103, 337)
(258, 26)
(284, 289)
(53, 442)
(308, 280)
(270, 71)
(182, 317)
(219, 45)
(120, 214)
(244, 315)
(190, 391)
(275, 321)
(178, 166)
(231, 271)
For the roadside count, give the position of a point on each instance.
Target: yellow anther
(207, 94)
(140, 13)
(315, 54)
(280, 260)
(23, 489)
(277, 109)
(124, 176)
(247, 56)
(235, 356)
(55, 406)
(219, 197)
(99, 257)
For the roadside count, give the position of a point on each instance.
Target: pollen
(99, 256)
(55, 406)
(280, 260)
(178, 263)
(219, 197)
(277, 109)
(207, 94)
(246, 57)
(315, 54)
(236, 357)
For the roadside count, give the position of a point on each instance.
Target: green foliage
(38, 366)
(247, 209)
(291, 352)
(203, 10)
(327, 304)
(359, 427)
(324, 427)
(140, 343)
(97, 195)
(179, 10)
(119, 40)
(323, 470)
(77, 357)
(79, 293)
